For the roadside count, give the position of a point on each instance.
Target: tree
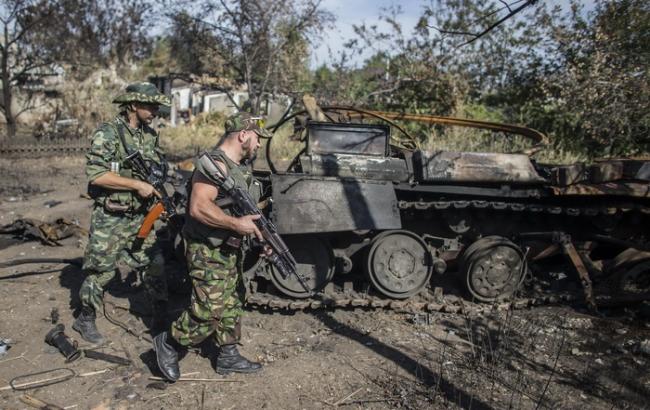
(19, 55)
(581, 77)
(193, 45)
(98, 33)
(260, 43)
(409, 69)
(38, 36)
(602, 75)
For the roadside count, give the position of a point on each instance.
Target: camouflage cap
(244, 121)
(143, 92)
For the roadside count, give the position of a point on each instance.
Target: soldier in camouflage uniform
(212, 238)
(122, 200)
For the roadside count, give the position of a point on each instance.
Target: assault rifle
(155, 175)
(243, 204)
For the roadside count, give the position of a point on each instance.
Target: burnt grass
(553, 357)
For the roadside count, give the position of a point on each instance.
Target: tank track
(448, 305)
(452, 305)
(433, 301)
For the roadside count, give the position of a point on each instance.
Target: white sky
(350, 12)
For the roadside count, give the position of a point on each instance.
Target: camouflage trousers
(217, 297)
(111, 240)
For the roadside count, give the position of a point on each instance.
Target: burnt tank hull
(366, 219)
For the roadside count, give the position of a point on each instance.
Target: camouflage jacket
(243, 176)
(107, 153)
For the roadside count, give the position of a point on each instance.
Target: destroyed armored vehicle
(375, 222)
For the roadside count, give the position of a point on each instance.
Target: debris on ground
(644, 347)
(48, 233)
(5, 345)
(54, 316)
(67, 346)
(52, 203)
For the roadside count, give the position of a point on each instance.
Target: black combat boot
(85, 325)
(160, 318)
(167, 356)
(230, 360)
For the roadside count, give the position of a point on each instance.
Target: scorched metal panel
(304, 204)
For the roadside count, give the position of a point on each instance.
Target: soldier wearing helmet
(122, 199)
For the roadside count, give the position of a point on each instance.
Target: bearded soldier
(122, 200)
(213, 237)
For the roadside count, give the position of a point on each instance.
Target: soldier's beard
(250, 154)
(145, 120)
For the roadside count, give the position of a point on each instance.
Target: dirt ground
(547, 357)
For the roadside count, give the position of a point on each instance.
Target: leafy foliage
(581, 77)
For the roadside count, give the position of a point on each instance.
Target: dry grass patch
(204, 131)
(185, 141)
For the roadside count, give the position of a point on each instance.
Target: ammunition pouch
(115, 206)
(116, 202)
(231, 245)
(120, 202)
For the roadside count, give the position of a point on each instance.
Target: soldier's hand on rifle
(246, 226)
(146, 190)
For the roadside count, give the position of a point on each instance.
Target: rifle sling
(211, 168)
(224, 202)
(120, 133)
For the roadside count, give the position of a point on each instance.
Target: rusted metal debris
(570, 250)
(48, 233)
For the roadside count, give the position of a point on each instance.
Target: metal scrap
(54, 316)
(92, 354)
(23, 382)
(66, 345)
(570, 250)
(5, 345)
(48, 233)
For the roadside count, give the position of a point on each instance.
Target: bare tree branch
(476, 36)
(28, 28)
(499, 22)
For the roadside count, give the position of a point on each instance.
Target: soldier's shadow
(125, 299)
(127, 303)
(72, 277)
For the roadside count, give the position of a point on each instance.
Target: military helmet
(244, 121)
(142, 92)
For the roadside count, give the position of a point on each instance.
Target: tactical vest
(148, 145)
(243, 178)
